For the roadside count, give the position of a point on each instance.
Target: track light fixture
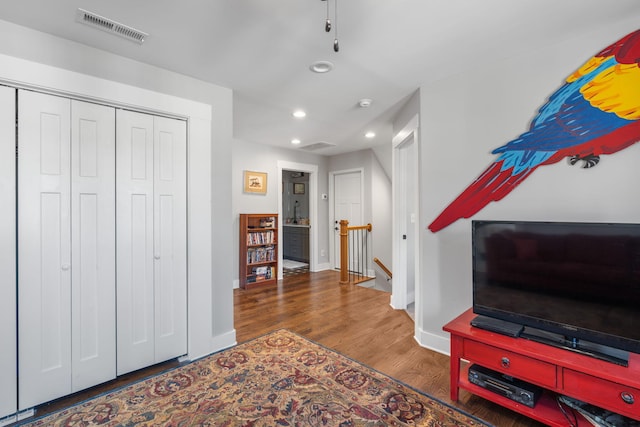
(328, 25)
(336, 46)
(327, 22)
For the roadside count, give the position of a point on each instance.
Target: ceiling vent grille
(317, 146)
(110, 26)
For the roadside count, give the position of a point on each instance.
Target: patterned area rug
(280, 379)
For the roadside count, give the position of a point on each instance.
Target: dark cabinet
(296, 243)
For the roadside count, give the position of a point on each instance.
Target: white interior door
(8, 338)
(134, 254)
(406, 233)
(170, 237)
(93, 282)
(151, 240)
(44, 248)
(347, 204)
(66, 246)
(408, 193)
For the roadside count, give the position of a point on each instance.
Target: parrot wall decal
(595, 112)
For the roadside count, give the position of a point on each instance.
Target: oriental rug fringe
(279, 379)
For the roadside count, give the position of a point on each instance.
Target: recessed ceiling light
(299, 114)
(321, 67)
(365, 103)
(370, 134)
(295, 141)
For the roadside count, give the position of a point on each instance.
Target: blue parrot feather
(522, 161)
(574, 124)
(568, 91)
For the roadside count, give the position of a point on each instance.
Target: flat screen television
(574, 285)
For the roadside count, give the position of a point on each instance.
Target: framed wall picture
(255, 182)
(298, 188)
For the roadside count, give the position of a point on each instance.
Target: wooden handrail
(344, 251)
(383, 267)
(359, 227)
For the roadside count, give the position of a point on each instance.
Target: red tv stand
(558, 371)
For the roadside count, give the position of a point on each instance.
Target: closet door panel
(93, 243)
(170, 237)
(44, 248)
(8, 338)
(134, 218)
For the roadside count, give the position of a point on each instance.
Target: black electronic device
(497, 325)
(509, 387)
(572, 285)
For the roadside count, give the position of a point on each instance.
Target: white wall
(381, 214)
(263, 158)
(121, 79)
(383, 154)
(463, 118)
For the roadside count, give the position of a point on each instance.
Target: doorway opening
(295, 222)
(297, 209)
(406, 241)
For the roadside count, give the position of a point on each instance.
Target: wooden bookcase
(557, 371)
(258, 250)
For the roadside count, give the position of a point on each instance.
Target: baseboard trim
(322, 267)
(18, 416)
(433, 342)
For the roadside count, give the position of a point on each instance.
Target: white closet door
(8, 354)
(134, 218)
(93, 283)
(151, 240)
(170, 237)
(44, 248)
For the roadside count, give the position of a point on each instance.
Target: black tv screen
(580, 281)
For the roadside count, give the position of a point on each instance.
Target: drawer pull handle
(505, 362)
(627, 397)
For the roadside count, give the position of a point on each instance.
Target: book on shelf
(268, 222)
(263, 273)
(260, 237)
(263, 254)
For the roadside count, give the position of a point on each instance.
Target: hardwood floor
(355, 321)
(358, 322)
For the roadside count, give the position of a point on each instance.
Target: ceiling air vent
(317, 146)
(110, 26)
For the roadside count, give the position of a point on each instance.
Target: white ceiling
(262, 50)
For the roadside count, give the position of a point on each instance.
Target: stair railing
(384, 268)
(355, 242)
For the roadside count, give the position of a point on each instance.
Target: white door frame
(8, 297)
(399, 291)
(334, 258)
(312, 170)
(205, 335)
